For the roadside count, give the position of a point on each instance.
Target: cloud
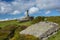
(22, 5)
(48, 12)
(4, 19)
(33, 10)
(15, 5)
(5, 8)
(58, 10)
(48, 4)
(16, 12)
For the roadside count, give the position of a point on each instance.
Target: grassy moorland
(9, 30)
(13, 22)
(56, 20)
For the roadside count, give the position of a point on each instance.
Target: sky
(12, 9)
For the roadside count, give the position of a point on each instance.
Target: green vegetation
(56, 20)
(24, 37)
(9, 30)
(5, 32)
(38, 19)
(5, 23)
(55, 37)
(18, 36)
(13, 22)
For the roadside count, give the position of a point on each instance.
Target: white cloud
(16, 12)
(48, 12)
(22, 5)
(5, 8)
(33, 10)
(4, 19)
(2, 9)
(48, 4)
(25, 13)
(58, 10)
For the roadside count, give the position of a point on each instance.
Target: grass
(56, 20)
(14, 22)
(55, 37)
(11, 25)
(5, 25)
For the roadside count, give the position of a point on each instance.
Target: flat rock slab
(40, 28)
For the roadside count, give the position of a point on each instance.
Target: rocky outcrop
(41, 29)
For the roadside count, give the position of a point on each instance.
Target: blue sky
(11, 9)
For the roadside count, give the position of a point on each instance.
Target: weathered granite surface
(41, 29)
